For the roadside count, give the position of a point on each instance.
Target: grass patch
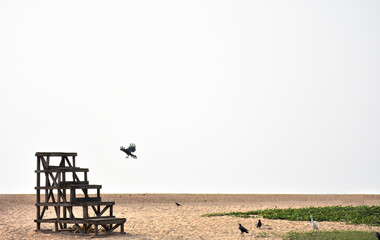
(369, 215)
(335, 235)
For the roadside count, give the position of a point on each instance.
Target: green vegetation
(369, 215)
(336, 235)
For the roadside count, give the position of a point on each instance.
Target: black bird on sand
(258, 225)
(177, 204)
(129, 150)
(378, 235)
(242, 229)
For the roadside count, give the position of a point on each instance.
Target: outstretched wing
(124, 150)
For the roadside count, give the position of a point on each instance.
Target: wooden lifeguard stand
(60, 184)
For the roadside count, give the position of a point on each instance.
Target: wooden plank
(62, 169)
(43, 212)
(94, 209)
(75, 177)
(113, 228)
(104, 210)
(72, 194)
(91, 199)
(59, 154)
(44, 163)
(69, 183)
(64, 216)
(100, 221)
(62, 162)
(38, 193)
(75, 204)
(122, 228)
(72, 217)
(68, 162)
(85, 212)
(72, 186)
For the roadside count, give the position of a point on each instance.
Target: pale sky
(219, 96)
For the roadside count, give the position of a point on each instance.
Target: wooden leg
(122, 228)
(96, 229)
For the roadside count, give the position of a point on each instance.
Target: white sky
(219, 96)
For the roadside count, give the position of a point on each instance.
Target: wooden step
(59, 154)
(109, 223)
(105, 220)
(62, 169)
(91, 203)
(86, 200)
(74, 186)
(73, 183)
(91, 220)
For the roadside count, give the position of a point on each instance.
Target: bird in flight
(178, 204)
(258, 225)
(242, 229)
(129, 150)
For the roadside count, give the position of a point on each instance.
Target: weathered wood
(91, 199)
(75, 204)
(114, 227)
(98, 220)
(68, 161)
(62, 169)
(103, 211)
(64, 216)
(55, 178)
(71, 186)
(71, 183)
(43, 212)
(122, 228)
(85, 212)
(75, 177)
(57, 154)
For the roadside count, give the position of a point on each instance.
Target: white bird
(315, 224)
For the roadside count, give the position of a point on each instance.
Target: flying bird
(177, 204)
(258, 225)
(378, 235)
(129, 150)
(242, 229)
(315, 225)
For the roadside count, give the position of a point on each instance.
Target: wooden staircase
(66, 189)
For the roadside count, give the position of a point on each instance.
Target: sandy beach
(155, 216)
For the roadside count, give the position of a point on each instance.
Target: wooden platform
(60, 194)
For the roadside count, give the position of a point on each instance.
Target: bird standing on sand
(258, 225)
(315, 224)
(129, 150)
(378, 235)
(242, 229)
(177, 204)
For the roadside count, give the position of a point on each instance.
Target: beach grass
(369, 215)
(329, 235)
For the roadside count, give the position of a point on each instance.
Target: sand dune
(155, 216)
